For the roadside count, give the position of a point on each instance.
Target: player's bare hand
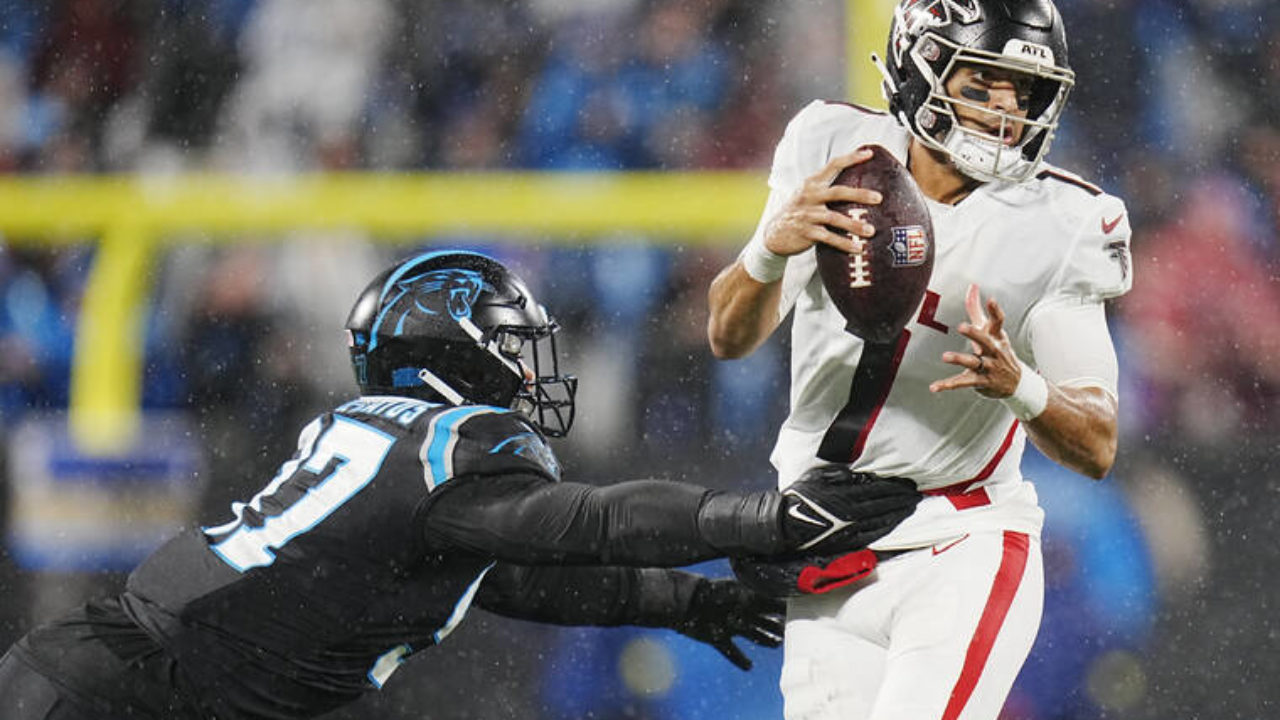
(991, 366)
(806, 220)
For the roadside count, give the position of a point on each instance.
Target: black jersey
(324, 581)
(370, 544)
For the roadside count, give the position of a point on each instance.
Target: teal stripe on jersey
(460, 609)
(441, 438)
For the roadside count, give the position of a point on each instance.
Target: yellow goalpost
(132, 218)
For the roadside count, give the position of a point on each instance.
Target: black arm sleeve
(529, 520)
(604, 596)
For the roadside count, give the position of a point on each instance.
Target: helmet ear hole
(510, 344)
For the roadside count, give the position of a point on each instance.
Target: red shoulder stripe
(855, 106)
(1090, 188)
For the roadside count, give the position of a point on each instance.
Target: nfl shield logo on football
(909, 246)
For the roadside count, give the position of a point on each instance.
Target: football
(879, 290)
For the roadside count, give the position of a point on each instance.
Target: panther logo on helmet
(433, 292)
(459, 327)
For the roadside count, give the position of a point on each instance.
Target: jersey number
(877, 368)
(346, 457)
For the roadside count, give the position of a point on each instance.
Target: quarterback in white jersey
(1010, 342)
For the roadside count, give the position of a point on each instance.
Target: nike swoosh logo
(796, 512)
(1107, 227)
(938, 550)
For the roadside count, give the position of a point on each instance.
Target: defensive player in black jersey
(432, 491)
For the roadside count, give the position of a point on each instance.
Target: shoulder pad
(823, 130)
(860, 108)
(483, 440)
(1062, 176)
(1100, 265)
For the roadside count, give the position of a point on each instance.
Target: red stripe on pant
(1012, 564)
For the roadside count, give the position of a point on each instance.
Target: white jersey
(1052, 239)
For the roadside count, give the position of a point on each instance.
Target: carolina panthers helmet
(929, 39)
(460, 327)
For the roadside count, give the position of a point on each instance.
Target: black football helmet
(929, 39)
(460, 327)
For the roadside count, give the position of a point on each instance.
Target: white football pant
(937, 633)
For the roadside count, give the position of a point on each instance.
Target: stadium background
(194, 190)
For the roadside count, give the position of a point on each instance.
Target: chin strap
(889, 90)
(985, 160)
(440, 386)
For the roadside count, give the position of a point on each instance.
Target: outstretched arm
(529, 520)
(712, 611)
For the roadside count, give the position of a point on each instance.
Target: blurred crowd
(1175, 109)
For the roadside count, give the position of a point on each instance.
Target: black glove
(722, 609)
(808, 575)
(833, 510)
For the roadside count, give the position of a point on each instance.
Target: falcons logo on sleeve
(1119, 251)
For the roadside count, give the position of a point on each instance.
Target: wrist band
(761, 263)
(738, 523)
(1031, 396)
